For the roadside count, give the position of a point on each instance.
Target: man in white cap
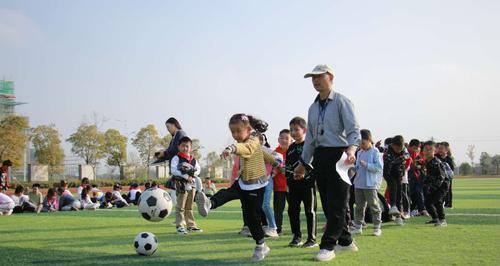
(332, 130)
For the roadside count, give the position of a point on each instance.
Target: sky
(418, 68)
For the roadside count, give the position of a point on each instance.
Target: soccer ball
(155, 204)
(145, 244)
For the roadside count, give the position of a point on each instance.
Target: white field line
(320, 212)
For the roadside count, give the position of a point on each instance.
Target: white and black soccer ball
(145, 243)
(155, 205)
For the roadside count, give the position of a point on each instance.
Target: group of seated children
(60, 198)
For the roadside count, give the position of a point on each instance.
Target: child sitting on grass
(50, 203)
(36, 197)
(6, 204)
(67, 202)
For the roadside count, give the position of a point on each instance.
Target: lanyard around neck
(321, 117)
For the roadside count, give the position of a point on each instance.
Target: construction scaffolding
(7, 98)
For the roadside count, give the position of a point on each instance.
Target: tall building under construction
(7, 98)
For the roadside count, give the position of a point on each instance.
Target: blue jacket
(368, 177)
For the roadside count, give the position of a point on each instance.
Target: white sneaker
(415, 213)
(405, 215)
(394, 211)
(181, 231)
(351, 247)
(245, 231)
(325, 255)
(441, 223)
(203, 203)
(377, 232)
(398, 221)
(271, 233)
(260, 252)
(356, 230)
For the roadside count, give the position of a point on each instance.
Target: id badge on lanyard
(320, 128)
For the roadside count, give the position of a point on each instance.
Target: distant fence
(78, 171)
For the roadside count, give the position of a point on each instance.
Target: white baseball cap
(318, 70)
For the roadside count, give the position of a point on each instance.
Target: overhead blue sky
(416, 68)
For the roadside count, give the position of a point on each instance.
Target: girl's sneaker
(181, 231)
(270, 232)
(398, 221)
(203, 202)
(377, 232)
(260, 252)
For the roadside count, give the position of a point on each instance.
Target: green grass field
(105, 237)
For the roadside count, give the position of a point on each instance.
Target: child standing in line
(184, 169)
(367, 183)
(299, 191)
(444, 154)
(279, 180)
(405, 194)
(252, 178)
(436, 184)
(268, 218)
(396, 159)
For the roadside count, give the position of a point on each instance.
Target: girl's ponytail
(258, 125)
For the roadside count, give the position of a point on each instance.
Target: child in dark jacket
(436, 184)
(299, 191)
(396, 160)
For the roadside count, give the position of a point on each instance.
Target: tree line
(87, 142)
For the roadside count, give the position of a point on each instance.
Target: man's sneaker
(195, 230)
(181, 231)
(310, 244)
(270, 233)
(394, 211)
(325, 255)
(415, 213)
(431, 221)
(245, 231)
(377, 232)
(398, 221)
(441, 223)
(356, 230)
(351, 247)
(260, 252)
(296, 242)
(203, 203)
